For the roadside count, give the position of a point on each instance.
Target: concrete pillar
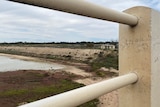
(139, 51)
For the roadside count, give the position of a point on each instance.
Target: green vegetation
(108, 61)
(73, 45)
(45, 91)
(31, 86)
(41, 91)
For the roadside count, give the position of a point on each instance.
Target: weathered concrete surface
(139, 52)
(155, 56)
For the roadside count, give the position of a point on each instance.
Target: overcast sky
(25, 23)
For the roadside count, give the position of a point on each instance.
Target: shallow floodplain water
(10, 64)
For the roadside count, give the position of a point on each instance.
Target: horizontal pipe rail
(84, 8)
(81, 95)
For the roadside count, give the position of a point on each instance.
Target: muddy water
(10, 64)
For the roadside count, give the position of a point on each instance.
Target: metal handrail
(81, 95)
(84, 8)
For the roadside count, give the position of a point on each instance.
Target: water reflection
(9, 64)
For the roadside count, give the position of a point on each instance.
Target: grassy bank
(27, 86)
(109, 60)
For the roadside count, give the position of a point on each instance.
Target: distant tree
(90, 44)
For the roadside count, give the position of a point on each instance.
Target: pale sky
(19, 22)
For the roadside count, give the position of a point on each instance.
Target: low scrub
(27, 86)
(108, 61)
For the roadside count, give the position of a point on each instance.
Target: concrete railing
(79, 96)
(82, 7)
(139, 51)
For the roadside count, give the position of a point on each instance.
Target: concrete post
(139, 51)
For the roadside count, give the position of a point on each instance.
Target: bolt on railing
(79, 96)
(84, 8)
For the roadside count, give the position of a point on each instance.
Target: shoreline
(66, 67)
(74, 68)
(26, 58)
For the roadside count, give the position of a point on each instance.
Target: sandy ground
(77, 71)
(26, 58)
(107, 100)
(77, 54)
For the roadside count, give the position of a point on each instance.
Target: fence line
(84, 8)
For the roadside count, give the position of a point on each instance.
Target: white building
(108, 47)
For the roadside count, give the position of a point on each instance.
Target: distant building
(108, 47)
